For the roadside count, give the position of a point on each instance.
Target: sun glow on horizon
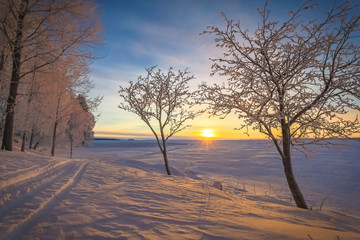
(207, 133)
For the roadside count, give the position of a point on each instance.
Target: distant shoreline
(209, 140)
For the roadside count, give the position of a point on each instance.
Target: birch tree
(294, 80)
(162, 101)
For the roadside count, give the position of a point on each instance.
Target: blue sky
(141, 34)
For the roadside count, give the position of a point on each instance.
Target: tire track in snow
(13, 174)
(29, 209)
(33, 187)
(17, 187)
(28, 174)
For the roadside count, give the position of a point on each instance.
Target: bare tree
(162, 101)
(43, 31)
(293, 81)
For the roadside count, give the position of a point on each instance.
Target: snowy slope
(120, 191)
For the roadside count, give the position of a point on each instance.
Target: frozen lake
(255, 164)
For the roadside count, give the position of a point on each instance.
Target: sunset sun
(207, 133)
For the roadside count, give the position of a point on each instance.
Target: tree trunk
(294, 187)
(55, 126)
(54, 139)
(23, 142)
(7, 142)
(2, 60)
(37, 143)
(31, 137)
(71, 147)
(166, 163)
(164, 152)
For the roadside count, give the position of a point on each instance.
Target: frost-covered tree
(89, 106)
(42, 31)
(4, 75)
(76, 126)
(162, 101)
(27, 104)
(71, 79)
(48, 98)
(72, 131)
(294, 80)
(35, 107)
(81, 122)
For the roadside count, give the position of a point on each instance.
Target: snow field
(123, 193)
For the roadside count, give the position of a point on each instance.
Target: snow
(119, 190)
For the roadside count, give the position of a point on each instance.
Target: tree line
(46, 48)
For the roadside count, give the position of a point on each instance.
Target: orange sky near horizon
(132, 127)
(223, 129)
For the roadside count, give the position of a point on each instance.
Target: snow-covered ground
(119, 190)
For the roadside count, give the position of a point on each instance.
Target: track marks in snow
(25, 180)
(40, 192)
(26, 174)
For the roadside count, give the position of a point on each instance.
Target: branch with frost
(305, 73)
(160, 99)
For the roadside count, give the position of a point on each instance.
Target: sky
(142, 33)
